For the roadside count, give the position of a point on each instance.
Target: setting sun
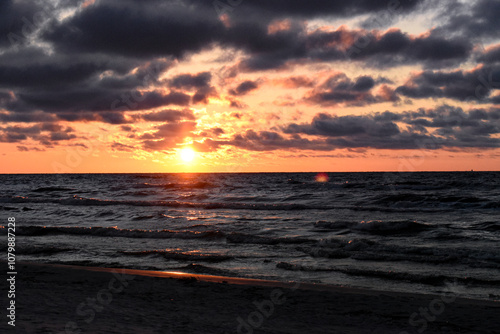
(187, 154)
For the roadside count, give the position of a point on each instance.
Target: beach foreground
(64, 299)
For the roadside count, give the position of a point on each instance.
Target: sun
(187, 154)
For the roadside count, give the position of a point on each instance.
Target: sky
(112, 86)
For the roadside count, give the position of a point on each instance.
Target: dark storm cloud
(376, 49)
(12, 137)
(74, 84)
(328, 126)
(474, 19)
(266, 50)
(202, 95)
(18, 20)
(37, 75)
(139, 29)
(144, 76)
(451, 126)
(491, 56)
(5, 96)
(112, 118)
(93, 99)
(32, 67)
(200, 82)
(363, 84)
(459, 85)
(270, 141)
(172, 29)
(58, 136)
(88, 46)
(341, 89)
(322, 8)
(42, 132)
(109, 59)
(27, 117)
(391, 48)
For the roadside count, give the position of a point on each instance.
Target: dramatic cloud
(341, 89)
(200, 82)
(140, 29)
(459, 85)
(45, 133)
(491, 55)
(474, 19)
(384, 49)
(255, 75)
(320, 8)
(451, 128)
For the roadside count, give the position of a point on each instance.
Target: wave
(180, 256)
(51, 189)
(389, 227)
(375, 226)
(113, 232)
(206, 270)
(431, 200)
(241, 238)
(41, 250)
(486, 226)
(8, 208)
(237, 238)
(429, 279)
(361, 249)
(82, 201)
(173, 185)
(196, 185)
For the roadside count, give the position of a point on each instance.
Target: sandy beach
(64, 299)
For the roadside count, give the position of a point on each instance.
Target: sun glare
(187, 154)
(322, 177)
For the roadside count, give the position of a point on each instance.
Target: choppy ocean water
(412, 232)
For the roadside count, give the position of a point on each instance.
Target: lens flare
(322, 177)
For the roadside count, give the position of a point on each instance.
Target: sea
(425, 232)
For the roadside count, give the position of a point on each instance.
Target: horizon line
(311, 172)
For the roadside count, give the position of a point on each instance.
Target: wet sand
(71, 299)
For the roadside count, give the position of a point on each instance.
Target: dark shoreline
(51, 298)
